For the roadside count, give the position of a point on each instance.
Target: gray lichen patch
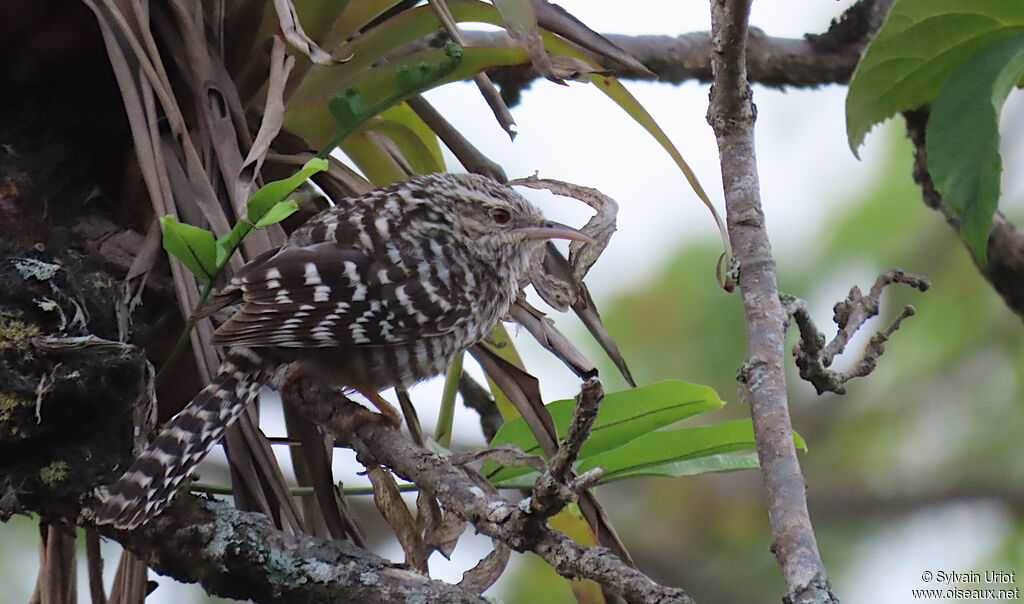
(37, 269)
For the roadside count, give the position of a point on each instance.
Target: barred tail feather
(148, 485)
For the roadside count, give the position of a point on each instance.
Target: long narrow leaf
(623, 417)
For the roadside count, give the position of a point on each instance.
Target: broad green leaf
(724, 462)
(921, 44)
(278, 212)
(622, 417)
(519, 16)
(379, 167)
(356, 16)
(273, 193)
(195, 247)
(963, 137)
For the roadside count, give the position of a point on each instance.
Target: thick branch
(241, 555)
(732, 115)
(814, 60)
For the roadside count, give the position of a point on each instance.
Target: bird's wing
(326, 295)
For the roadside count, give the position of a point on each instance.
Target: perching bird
(381, 290)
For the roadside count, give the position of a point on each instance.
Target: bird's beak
(553, 230)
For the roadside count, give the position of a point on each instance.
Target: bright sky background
(576, 134)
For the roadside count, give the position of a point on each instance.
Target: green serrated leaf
(962, 138)
(921, 44)
(622, 417)
(278, 212)
(273, 193)
(195, 247)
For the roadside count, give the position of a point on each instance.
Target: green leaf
(622, 417)
(404, 114)
(194, 246)
(416, 152)
(654, 453)
(921, 44)
(273, 193)
(659, 448)
(278, 212)
(962, 138)
(386, 86)
(372, 159)
(725, 462)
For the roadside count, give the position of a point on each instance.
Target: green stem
(183, 339)
(446, 416)
(216, 489)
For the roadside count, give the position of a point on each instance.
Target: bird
(379, 290)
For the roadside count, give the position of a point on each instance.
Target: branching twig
(731, 114)
(814, 357)
(557, 486)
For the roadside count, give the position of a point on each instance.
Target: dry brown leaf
(487, 571)
(547, 335)
(288, 19)
(392, 507)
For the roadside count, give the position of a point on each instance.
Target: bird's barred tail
(148, 485)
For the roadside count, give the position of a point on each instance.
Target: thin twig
(555, 487)
(483, 82)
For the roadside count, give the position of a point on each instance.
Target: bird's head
(500, 225)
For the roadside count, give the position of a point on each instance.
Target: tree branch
(732, 114)
(1005, 252)
(488, 512)
(814, 60)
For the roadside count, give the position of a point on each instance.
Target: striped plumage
(381, 290)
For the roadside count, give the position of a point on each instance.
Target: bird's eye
(500, 215)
